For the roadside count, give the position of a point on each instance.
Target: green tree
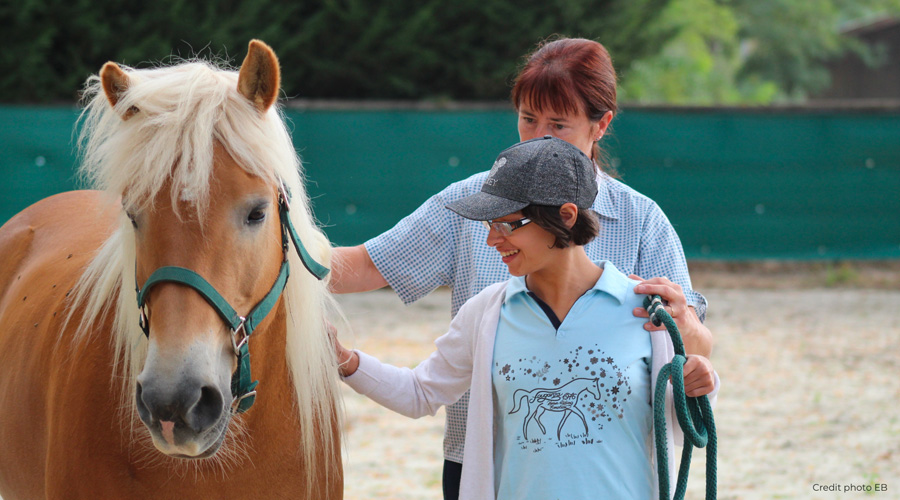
(748, 51)
(791, 40)
(422, 49)
(699, 65)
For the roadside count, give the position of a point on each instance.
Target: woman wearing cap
(567, 89)
(561, 371)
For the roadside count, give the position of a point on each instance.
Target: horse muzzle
(187, 418)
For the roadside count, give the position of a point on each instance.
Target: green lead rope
(694, 414)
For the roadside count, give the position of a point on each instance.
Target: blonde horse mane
(176, 115)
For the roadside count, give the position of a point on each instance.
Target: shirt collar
(612, 282)
(603, 204)
(515, 285)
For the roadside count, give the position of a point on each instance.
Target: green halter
(243, 388)
(694, 414)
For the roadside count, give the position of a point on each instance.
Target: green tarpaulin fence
(737, 184)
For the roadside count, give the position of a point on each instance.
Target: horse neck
(274, 415)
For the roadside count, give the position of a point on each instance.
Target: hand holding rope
(694, 414)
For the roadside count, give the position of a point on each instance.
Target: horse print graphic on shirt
(594, 393)
(561, 399)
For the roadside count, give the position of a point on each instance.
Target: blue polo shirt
(572, 404)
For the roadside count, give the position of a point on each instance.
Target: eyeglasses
(505, 228)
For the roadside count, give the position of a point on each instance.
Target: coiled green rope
(694, 414)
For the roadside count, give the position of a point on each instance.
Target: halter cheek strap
(288, 231)
(243, 388)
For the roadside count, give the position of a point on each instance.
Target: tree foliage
(666, 51)
(793, 39)
(700, 64)
(422, 49)
(749, 51)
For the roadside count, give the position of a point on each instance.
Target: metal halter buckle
(236, 402)
(143, 322)
(283, 195)
(242, 331)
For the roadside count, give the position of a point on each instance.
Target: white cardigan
(461, 362)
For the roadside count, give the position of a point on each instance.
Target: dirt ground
(810, 401)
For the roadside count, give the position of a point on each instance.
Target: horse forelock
(169, 143)
(183, 111)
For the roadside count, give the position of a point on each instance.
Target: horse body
(39, 268)
(73, 424)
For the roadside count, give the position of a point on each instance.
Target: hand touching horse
(201, 206)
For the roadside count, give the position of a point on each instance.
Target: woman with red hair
(566, 89)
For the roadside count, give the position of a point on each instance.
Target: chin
(515, 270)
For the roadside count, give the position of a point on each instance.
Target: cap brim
(485, 206)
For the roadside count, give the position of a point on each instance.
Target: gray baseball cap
(544, 171)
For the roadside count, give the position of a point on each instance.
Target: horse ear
(115, 82)
(260, 77)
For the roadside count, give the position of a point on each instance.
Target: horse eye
(257, 215)
(132, 219)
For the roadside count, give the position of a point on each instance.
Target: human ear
(602, 125)
(569, 214)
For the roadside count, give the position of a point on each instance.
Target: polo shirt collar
(612, 282)
(515, 285)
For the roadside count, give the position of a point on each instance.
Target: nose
(539, 128)
(536, 132)
(193, 407)
(494, 237)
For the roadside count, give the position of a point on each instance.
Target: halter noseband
(243, 388)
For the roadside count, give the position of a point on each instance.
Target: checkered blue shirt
(435, 247)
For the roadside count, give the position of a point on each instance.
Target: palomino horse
(103, 398)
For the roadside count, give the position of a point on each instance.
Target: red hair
(569, 75)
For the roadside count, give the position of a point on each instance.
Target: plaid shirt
(435, 247)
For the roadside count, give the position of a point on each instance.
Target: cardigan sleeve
(438, 381)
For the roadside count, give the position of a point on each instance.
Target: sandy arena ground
(810, 370)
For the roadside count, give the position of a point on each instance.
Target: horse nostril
(143, 410)
(208, 409)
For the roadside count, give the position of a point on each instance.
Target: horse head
(594, 388)
(184, 392)
(206, 211)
